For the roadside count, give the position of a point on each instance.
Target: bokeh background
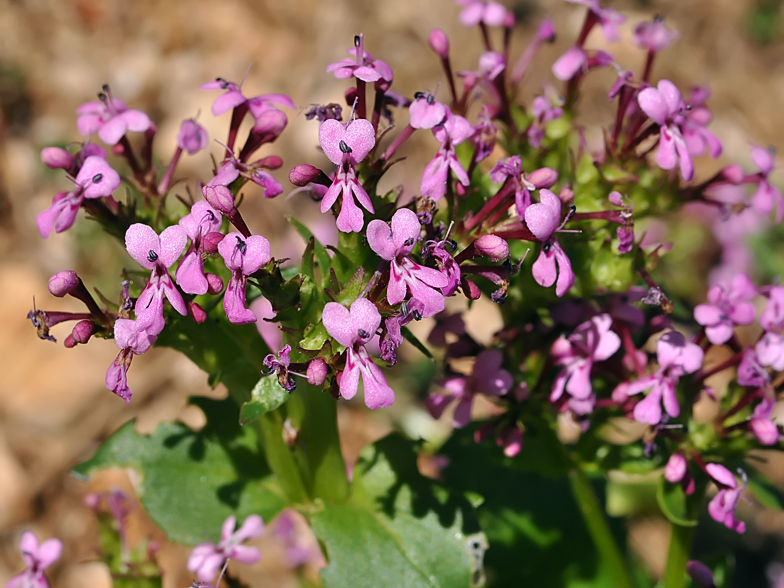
(56, 54)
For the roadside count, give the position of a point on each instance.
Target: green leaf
(399, 528)
(763, 489)
(267, 395)
(352, 288)
(675, 505)
(411, 338)
(537, 535)
(191, 481)
(322, 256)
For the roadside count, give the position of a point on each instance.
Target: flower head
(726, 309)
(665, 106)
(454, 130)
(243, 256)
(362, 66)
(492, 14)
(654, 35)
(543, 219)
(353, 328)
(37, 558)
(207, 558)
(722, 507)
(110, 117)
(201, 220)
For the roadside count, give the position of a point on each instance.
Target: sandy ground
(55, 55)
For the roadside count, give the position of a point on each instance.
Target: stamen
(363, 334)
(97, 178)
(344, 147)
(241, 245)
(152, 256)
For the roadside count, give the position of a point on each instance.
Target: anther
(241, 245)
(409, 242)
(431, 99)
(418, 95)
(97, 178)
(152, 257)
(363, 334)
(357, 40)
(417, 315)
(344, 147)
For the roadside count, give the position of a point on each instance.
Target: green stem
(678, 556)
(599, 528)
(280, 458)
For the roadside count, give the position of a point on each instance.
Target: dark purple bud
(317, 372)
(492, 246)
(57, 158)
(63, 283)
(439, 43)
(82, 331)
(149, 134)
(220, 198)
(214, 284)
(701, 574)
(471, 290)
(543, 178)
(69, 342)
(197, 312)
(210, 241)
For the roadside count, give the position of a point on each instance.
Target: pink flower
(665, 106)
(543, 220)
(346, 146)
(192, 136)
(524, 184)
(425, 111)
(571, 62)
(453, 131)
(767, 196)
(726, 309)
(157, 254)
(37, 558)
(591, 341)
(695, 120)
(234, 97)
(677, 357)
(132, 339)
(492, 14)
(201, 220)
(362, 66)
(96, 179)
(353, 328)
(487, 377)
(395, 244)
(722, 507)
(607, 18)
(207, 558)
(761, 423)
(654, 36)
(243, 257)
(110, 117)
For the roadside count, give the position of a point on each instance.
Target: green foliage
(398, 528)
(267, 395)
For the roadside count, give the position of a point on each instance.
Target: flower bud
(197, 312)
(214, 284)
(69, 342)
(89, 149)
(63, 282)
(82, 331)
(302, 175)
(439, 43)
(210, 241)
(701, 574)
(471, 290)
(675, 469)
(509, 20)
(492, 246)
(269, 162)
(317, 372)
(733, 173)
(270, 122)
(193, 137)
(544, 177)
(57, 158)
(220, 198)
(546, 31)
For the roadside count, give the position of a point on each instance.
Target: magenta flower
(453, 131)
(770, 348)
(207, 558)
(157, 254)
(346, 146)
(37, 558)
(512, 167)
(300, 549)
(243, 257)
(425, 111)
(577, 60)
(201, 220)
(132, 339)
(234, 97)
(487, 377)
(722, 507)
(677, 357)
(395, 244)
(543, 220)
(362, 66)
(607, 18)
(491, 13)
(726, 309)
(695, 120)
(654, 36)
(96, 179)
(192, 136)
(767, 196)
(761, 423)
(353, 328)
(591, 341)
(665, 106)
(233, 168)
(111, 118)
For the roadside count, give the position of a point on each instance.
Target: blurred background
(56, 54)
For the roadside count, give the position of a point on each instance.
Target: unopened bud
(192, 137)
(270, 122)
(544, 177)
(210, 242)
(492, 246)
(220, 198)
(701, 574)
(471, 290)
(63, 282)
(197, 312)
(317, 372)
(214, 284)
(733, 173)
(675, 469)
(566, 195)
(57, 158)
(269, 162)
(509, 20)
(82, 331)
(69, 342)
(546, 31)
(439, 43)
(304, 174)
